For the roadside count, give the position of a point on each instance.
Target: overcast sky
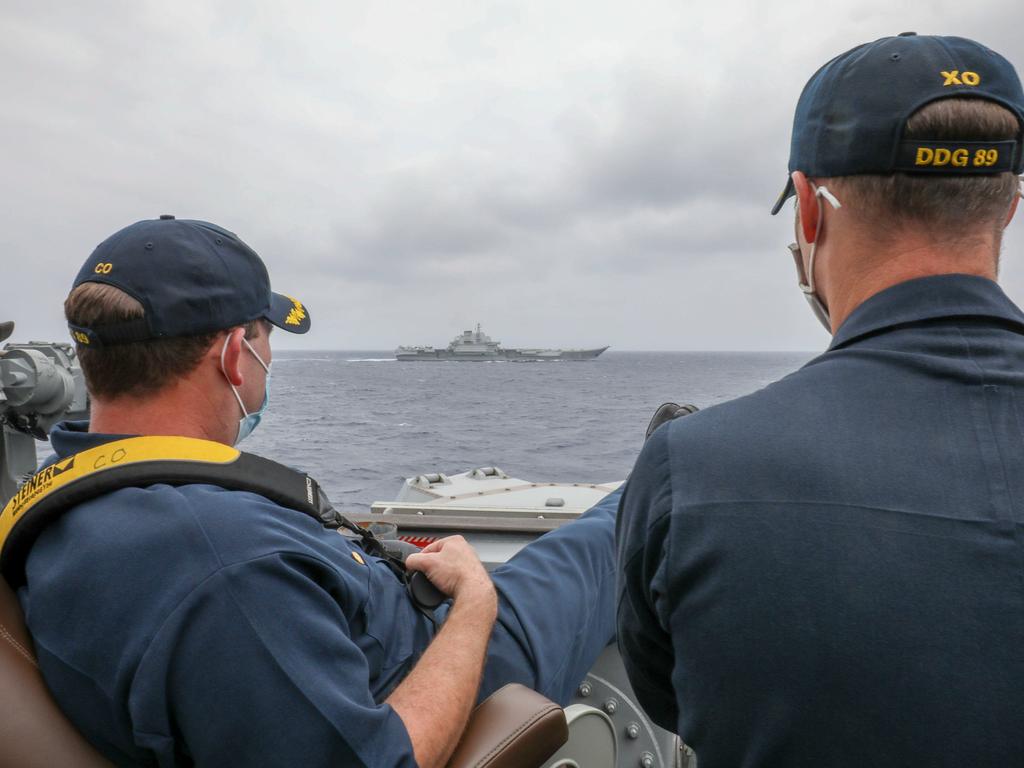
(565, 173)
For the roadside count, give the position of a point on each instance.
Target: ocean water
(361, 422)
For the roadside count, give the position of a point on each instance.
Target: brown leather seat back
(514, 727)
(34, 733)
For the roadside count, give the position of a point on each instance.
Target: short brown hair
(944, 204)
(138, 368)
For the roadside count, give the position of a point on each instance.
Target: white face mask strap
(824, 192)
(254, 354)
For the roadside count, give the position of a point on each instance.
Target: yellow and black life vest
(138, 462)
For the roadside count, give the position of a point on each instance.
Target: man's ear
(1013, 206)
(807, 204)
(232, 355)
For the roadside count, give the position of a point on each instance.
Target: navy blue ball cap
(851, 116)
(191, 277)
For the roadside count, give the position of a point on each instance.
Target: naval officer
(196, 625)
(828, 572)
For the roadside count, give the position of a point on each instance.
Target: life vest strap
(140, 462)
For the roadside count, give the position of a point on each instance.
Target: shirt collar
(928, 298)
(69, 437)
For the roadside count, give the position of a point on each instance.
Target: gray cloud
(645, 187)
(594, 168)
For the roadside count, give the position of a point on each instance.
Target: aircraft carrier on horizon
(477, 346)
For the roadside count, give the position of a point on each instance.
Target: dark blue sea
(361, 422)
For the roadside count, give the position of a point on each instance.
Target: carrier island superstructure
(477, 346)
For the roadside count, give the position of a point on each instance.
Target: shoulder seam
(214, 574)
(219, 572)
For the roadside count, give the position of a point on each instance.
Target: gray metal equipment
(40, 384)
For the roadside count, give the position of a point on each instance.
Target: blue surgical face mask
(249, 421)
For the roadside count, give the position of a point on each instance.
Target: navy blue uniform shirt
(830, 571)
(198, 625)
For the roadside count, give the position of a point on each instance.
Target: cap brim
(787, 192)
(288, 314)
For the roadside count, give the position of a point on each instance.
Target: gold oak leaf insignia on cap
(297, 314)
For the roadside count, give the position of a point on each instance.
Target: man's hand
(453, 567)
(435, 700)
